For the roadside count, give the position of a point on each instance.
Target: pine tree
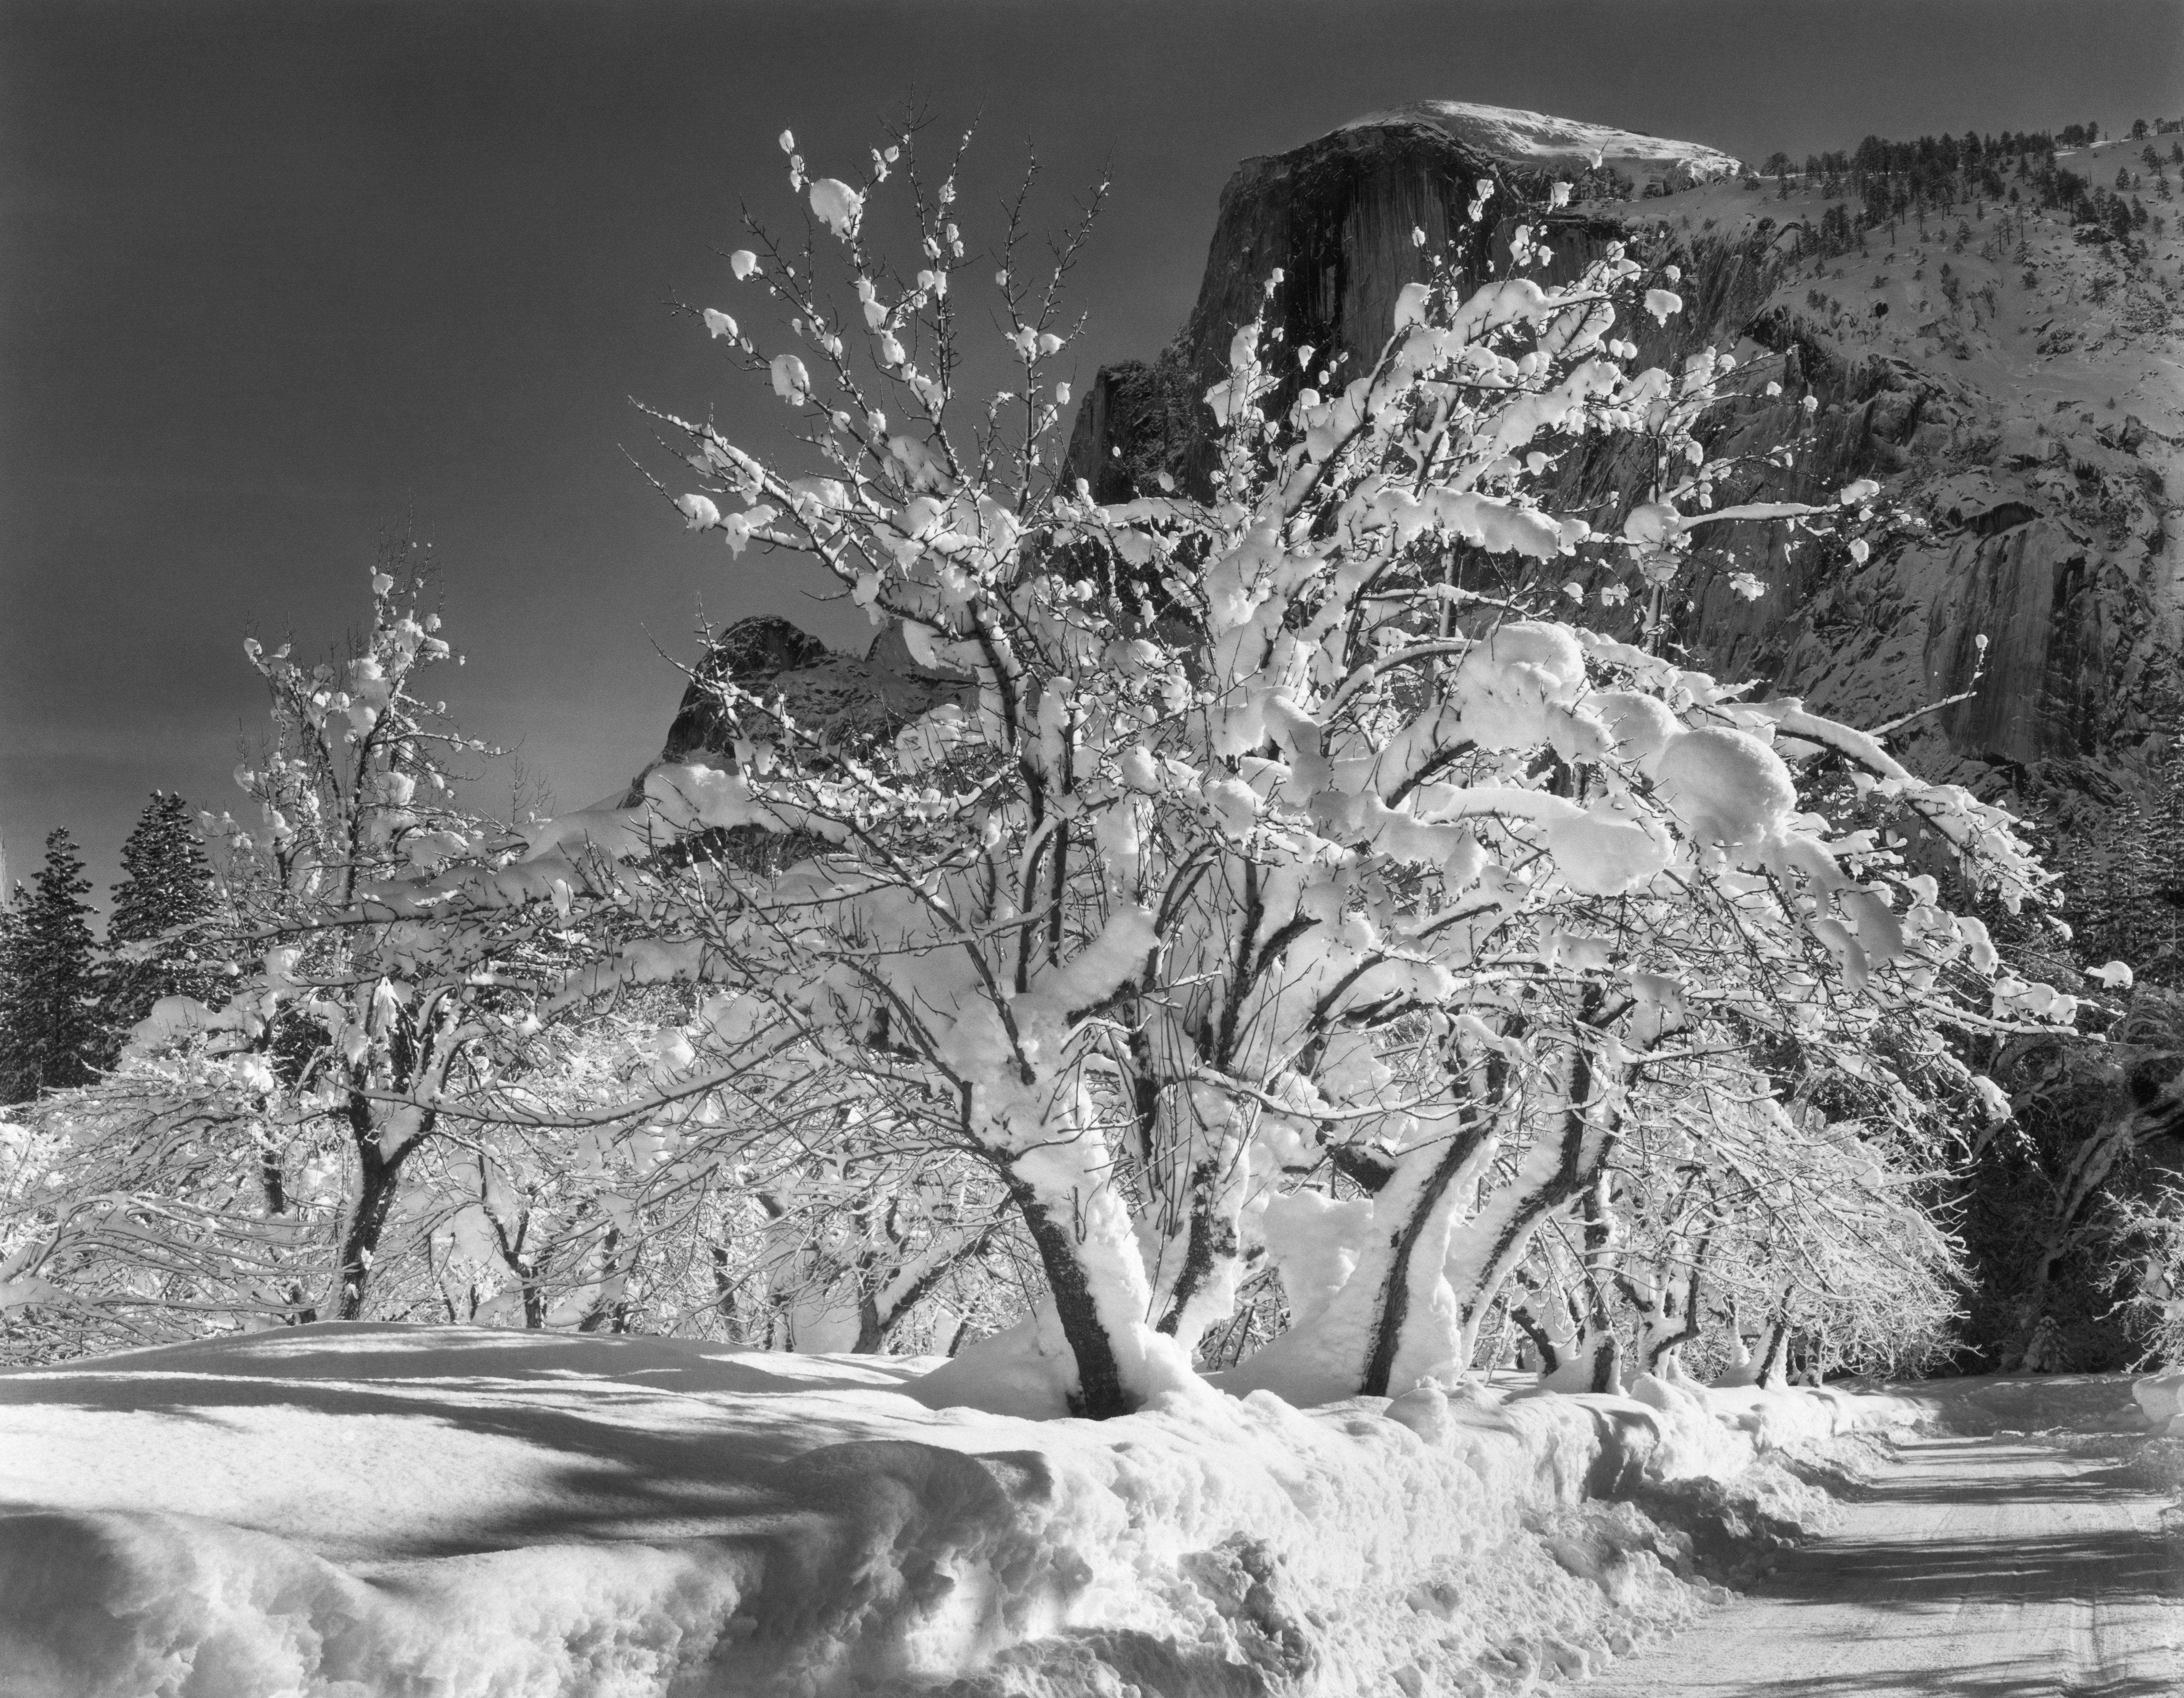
(13, 905)
(155, 938)
(2125, 880)
(49, 1023)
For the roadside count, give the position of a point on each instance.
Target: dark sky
(276, 277)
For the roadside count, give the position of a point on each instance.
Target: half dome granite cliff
(2025, 448)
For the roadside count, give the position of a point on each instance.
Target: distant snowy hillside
(1517, 137)
(2017, 385)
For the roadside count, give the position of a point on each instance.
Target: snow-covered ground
(2035, 1554)
(370, 1509)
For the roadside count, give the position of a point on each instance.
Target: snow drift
(352, 1510)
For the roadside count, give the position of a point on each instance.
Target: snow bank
(359, 1510)
(2160, 1399)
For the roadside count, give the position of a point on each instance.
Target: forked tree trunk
(1604, 1352)
(1554, 1173)
(1769, 1366)
(1406, 1281)
(1670, 1315)
(1541, 1338)
(1581, 1353)
(1427, 1227)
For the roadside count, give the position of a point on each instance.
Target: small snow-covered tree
(357, 1028)
(374, 1017)
(166, 1200)
(618, 1180)
(1272, 842)
(262, 1129)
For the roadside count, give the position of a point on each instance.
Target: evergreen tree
(13, 903)
(2126, 881)
(155, 938)
(49, 1022)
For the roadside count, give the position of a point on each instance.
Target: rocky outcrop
(840, 702)
(1339, 222)
(2043, 533)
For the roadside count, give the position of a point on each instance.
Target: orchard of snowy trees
(1311, 952)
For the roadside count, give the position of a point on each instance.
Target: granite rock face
(844, 702)
(1336, 218)
(2028, 508)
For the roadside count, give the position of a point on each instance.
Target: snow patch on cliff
(1539, 140)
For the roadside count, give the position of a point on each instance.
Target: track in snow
(1976, 1567)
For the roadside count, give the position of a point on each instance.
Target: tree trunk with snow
(1555, 1171)
(1101, 1391)
(378, 1180)
(1424, 1195)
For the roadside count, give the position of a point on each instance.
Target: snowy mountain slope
(2019, 394)
(1538, 140)
(2024, 411)
(353, 1510)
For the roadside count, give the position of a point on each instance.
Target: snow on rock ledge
(1537, 139)
(538, 1514)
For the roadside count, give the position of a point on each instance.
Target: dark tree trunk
(367, 1221)
(1686, 1334)
(1775, 1357)
(274, 1182)
(1367, 1169)
(1542, 1341)
(870, 1334)
(1606, 1362)
(1210, 1241)
(1100, 1394)
(534, 1295)
(724, 1294)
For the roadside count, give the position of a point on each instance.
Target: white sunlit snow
(1509, 132)
(369, 1508)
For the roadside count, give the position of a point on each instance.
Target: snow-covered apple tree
(245, 1163)
(627, 1177)
(1270, 847)
(422, 1096)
